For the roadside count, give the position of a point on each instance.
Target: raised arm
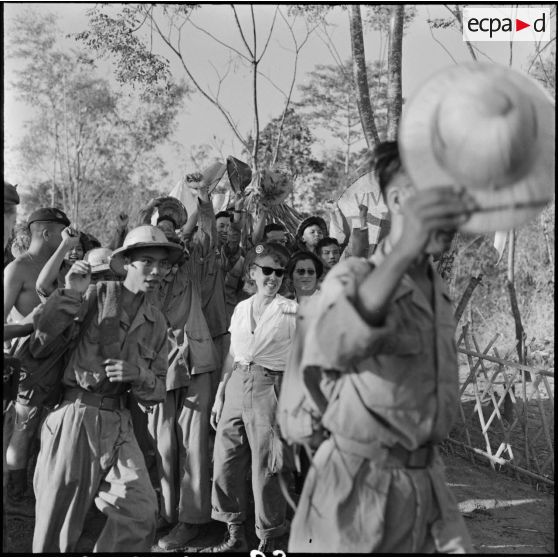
(360, 241)
(46, 281)
(145, 213)
(206, 219)
(258, 232)
(52, 318)
(13, 283)
(119, 232)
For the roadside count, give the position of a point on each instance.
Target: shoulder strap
(88, 318)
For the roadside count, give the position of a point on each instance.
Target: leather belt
(390, 457)
(253, 367)
(98, 400)
(417, 459)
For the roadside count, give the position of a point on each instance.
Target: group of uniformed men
(130, 429)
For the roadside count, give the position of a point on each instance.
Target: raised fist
(70, 237)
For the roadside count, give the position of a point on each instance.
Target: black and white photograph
(278, 278)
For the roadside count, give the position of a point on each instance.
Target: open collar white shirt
(270, 342)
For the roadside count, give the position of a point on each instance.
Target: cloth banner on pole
(364, 189)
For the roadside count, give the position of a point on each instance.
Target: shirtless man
(20, 298)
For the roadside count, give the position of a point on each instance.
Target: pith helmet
(145, 236)
(98, 259)
(490, 129)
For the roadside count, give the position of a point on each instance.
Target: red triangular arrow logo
(519, 25)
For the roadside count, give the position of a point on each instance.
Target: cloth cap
(308, 222)
(50, 214)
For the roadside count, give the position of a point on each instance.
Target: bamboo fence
(506, 411)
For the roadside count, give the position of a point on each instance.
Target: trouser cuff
(272, 532)
(228, 517)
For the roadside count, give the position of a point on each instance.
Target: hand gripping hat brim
(487, 128)
(145, 236)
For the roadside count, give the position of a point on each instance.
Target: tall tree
(329, 99)
(361, 79)
(294, 152)
(126, 35)
(395, 53)
(90, 144)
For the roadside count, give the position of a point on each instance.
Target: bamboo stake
(504, 462)
(518, 365)
(478, 406)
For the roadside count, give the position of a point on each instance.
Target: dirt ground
(504, 516)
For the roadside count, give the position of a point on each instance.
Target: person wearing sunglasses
(304, 271)
(244, 414)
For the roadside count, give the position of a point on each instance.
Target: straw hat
(488, 128)
(145, 236)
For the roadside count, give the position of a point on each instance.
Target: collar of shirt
(269, 343)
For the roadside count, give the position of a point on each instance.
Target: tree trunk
(361, 79)
(394, 98)
(519, 331)
(348, 139)
(256, 115)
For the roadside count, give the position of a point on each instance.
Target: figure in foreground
(385, 326)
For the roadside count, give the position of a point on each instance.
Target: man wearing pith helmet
(89, 452)
(475, 152)
(376, 485)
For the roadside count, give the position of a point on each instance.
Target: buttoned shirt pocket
(146, 353)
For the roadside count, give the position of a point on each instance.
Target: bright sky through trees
(200, 123)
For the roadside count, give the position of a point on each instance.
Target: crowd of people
(151, 369)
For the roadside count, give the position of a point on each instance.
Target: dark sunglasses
(303, 271)
(269, 270)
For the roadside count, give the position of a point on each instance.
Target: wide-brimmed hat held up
(487, 128)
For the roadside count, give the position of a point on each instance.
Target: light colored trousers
(180, 427)
(88, 455)
(350, 504)
(248, 434)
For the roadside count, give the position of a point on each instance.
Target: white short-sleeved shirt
(269, 344)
